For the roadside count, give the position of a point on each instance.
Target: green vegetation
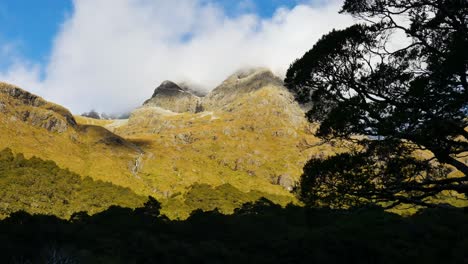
(250, 146)
(254, 145)
(224, 176)
(226, 198)
(223, 198)
(256, 233)
(39, 186)
(34, 127)
(402, 102)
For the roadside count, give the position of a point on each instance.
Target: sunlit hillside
(34, 127)
(255, 139)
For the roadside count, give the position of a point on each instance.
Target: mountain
(35, 127)
(23, 106)
(248, 135)
(175, 98)
(251, 134)
(241, 83)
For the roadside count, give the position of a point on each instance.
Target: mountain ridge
(173, 97)
(181, 98)
(48, 115)
(250, 140)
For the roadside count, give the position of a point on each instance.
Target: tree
(152, 207)
(391, 101)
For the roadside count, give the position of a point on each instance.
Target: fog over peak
(110, 54)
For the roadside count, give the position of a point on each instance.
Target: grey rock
(21, 95)
(286, 181)
(186, 138)
(227, 131)
(40, 113)
(241, 82)
(45, 119)
(175, 98)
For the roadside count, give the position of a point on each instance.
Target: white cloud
(111, 54)
(19, 71)
(25, 75)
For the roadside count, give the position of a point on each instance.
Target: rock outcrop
(260, 93)
(27, 107)
(240, 83)
(257, 87)
(175, 98)
(286, 181)
(247, 133)
(249, 128)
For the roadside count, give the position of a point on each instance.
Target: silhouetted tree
(390, 102)
(152, 207)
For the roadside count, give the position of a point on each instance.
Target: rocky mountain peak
(180, 98)
(168, 88)
(171, 96)
(249, 76)
(242, 82)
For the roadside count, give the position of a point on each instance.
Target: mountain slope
(35, 127)
(41, 187)
(248, 135)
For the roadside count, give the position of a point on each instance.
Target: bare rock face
(33, 109)
(252, 95)
(178, 99)
(259, 94)
(255, 89)
(242, 82)
(21, 95)
(286, 181)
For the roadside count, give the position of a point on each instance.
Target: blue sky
(29, 27)
(263, 8)
(109, 55)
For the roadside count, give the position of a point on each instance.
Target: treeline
(225, 198)
(40, 186)
(260, 232)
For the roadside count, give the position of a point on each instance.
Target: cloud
(15, 69)
(110, 54)
(24, 74)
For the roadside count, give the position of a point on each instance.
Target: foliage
(250, 146)
(257, 233)
(245, 146)
(84, 149)
(390, 102)
(225, 198)
(39, 186)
